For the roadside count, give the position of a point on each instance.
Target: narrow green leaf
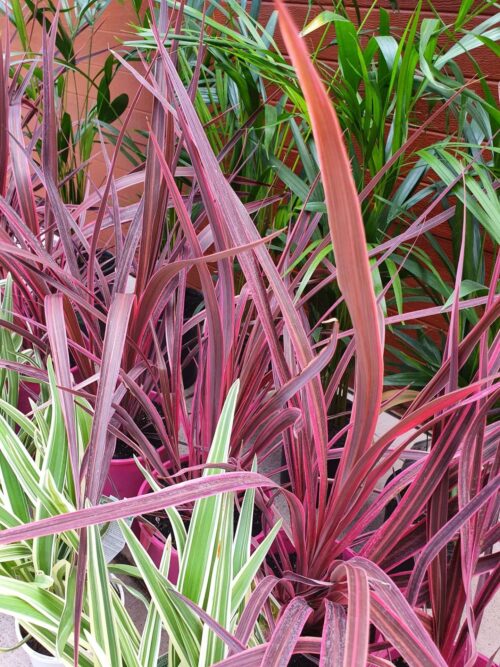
(99, 594)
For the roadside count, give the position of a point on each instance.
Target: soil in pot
(334, 426)
(124, 451)
(301, 660)
(162, 524)
(107, 264)
(34, 644)
(275, 563)
(124, 477)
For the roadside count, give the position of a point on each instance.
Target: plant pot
(154, 544)
(41, 660)
(151, 539)
(124, 477)
(23, 401)
(28, 389)
(36, 659)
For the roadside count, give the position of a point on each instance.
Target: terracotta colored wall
(115, 25)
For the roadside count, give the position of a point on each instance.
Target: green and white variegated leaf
(178, 527)
(9, 379)
(54, 462)
(66, 623)
(11, 552)
(127, 632)
(184, 629)
(246, 574)
(100, 598)
(218, 602)
(151, 636)
(19, 474)
(18, 418)
(194, 572)
(243, 537)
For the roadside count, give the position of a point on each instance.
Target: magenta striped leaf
(348, 237)
(358, 614)
(4, 118)
(230, 221)
(286, 633)
(397, 621)
(446, 533)
(21, 170)
(99, 453)
(333, 639)
(253, 608)
(178, 494)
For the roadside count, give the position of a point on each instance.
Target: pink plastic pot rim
(146, 527)
(122, 463)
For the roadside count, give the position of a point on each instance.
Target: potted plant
(125, 477)
(214, 566)
(43, 604)
(38, 578)
(264, 333)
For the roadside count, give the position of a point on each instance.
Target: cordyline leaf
(285, 635)
(444, 536)
(155, 188)
(348, 236)
(425, 483)
(163, 275)
(253, 608)
(334, 636)
(114, 339)
(253, 657)
(230, 220)
(49, 145)
(99, 457)
(358, 615)
(397, 621)
(4, 119)
(348, 508)
(295, 384)
(21, 170)
(215, 331)
(178, 494)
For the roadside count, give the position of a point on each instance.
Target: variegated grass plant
(38, 577)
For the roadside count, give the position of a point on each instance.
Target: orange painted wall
(116, 22)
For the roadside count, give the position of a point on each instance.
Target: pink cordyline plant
(364, 586)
